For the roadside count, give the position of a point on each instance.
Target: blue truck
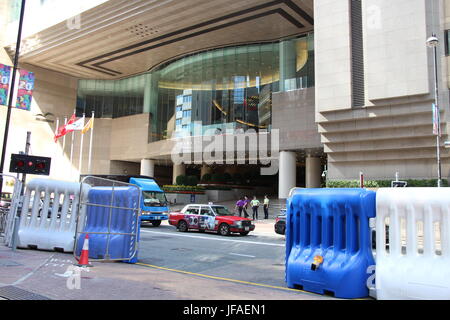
(154, 204)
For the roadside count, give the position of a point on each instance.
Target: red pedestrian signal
(27, 164)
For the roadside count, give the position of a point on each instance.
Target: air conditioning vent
(142, 30)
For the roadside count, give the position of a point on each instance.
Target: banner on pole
(5, 76)
(25, 91)
(436, 121)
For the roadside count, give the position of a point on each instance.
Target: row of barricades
(329, 245)
(56, 215)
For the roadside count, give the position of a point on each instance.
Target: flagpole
(81, 150)
(90, 143)
(64, 138)
(71, 153)
(56, 142)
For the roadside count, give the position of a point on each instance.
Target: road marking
(32, 272)
(217, 239)
(242, 282)
(225, 279)
(242, 255)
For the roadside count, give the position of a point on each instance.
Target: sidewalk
(32, 274)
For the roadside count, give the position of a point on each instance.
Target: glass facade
(208, 92)
(111, 98)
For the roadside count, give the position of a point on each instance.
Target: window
(191, 210)
(205, 211)
(223, 211)
(154, 199)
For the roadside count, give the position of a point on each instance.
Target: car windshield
(154, 199)
(223, 211)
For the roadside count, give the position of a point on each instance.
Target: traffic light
(22, 163)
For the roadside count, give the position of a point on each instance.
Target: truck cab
(154, 205)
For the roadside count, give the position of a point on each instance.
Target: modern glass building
(211, 91)
(347, 84)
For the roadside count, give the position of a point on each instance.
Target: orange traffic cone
(84, 258)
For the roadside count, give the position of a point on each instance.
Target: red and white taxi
(205, 217)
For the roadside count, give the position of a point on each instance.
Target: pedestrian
(239, 206)
(255, 205)
(266, 207)
(247, 201)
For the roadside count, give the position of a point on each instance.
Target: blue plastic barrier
(333, 225)
(118, 222)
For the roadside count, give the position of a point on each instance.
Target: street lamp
(433, 42)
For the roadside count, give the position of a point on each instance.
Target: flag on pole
(76, 126)
(436, 121)
(89, 125)
(62, 131)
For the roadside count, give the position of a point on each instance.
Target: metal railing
(89, 207)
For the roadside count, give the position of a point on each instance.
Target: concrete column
(287, 173)
(313, 172)
(147, 167)
(178, 170)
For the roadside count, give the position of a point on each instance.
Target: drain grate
(14, 293)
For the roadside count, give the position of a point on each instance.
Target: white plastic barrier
(416, 262)
(49, 214)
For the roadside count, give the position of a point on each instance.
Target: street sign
(22, 163)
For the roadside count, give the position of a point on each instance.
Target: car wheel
(244, 233)
(224, 229)
(182, 226)
(156, 223)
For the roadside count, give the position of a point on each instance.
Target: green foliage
(175, 189)
(191, 180)
(181, 180)
(207, 177)
(237, 177)
(227, 177)
(216, 187)
(218, 178)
